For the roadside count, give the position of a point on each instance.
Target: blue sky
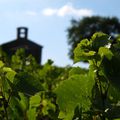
(48, 20)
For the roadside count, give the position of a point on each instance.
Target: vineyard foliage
(29, 91)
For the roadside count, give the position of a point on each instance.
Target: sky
(48, 20)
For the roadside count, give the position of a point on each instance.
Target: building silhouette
(22, 41)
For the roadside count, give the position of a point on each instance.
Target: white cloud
(67, 10)
(49, 11)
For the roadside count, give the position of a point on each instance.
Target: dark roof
(19, 42)
(22, 41)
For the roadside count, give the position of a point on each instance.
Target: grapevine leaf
(98, 40)
(47, 106)
(28, 84)
(17, 107)
(77, 70)
(111, 69)
(1, 64)
(33, 104)
(103, 51)
(82, 51)
(10, 74)
(114, 94)
(32, 114)
(23, 102)
(35, 100)
(73, 92)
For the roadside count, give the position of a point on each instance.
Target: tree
(85, 27)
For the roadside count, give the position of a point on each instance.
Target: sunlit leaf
(83, 51)
(10, 74)
(32, 114)
(33, 104)
(1, 64)
(73, 92)
(103, 51)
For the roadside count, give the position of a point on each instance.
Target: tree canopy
(85, 27)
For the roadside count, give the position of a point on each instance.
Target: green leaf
(111, 69)
(17, 107)
(77, 70)
(73, 92)
(35, 100)
(32, 114)
(27, 83)
(114, 94)
(10, 74)
(98, 40)
(103, 51)
(23, 102)
(47, 106)
(1, 64)
(33, 104)
(83, 51)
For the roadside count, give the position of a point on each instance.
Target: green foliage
(76, 91)
(105, 52)
(6, 80)
(100, 100)
(82, 51)
(77, 70)
(99, 40)
(29, 91)
(86, 27)
(33, 104)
